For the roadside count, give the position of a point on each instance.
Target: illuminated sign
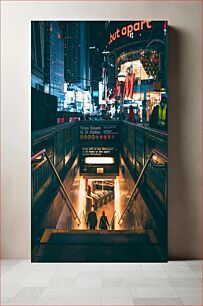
(79, 96)
(101, 91)
(95, 94)
(97, 152)
(99, 160)
(69, 98)
(129, 29)
(102, 132)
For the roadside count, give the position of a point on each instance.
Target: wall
(138, 217)
(185, 80)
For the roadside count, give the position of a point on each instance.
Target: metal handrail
(44, 154)
(40, 153)
(84, 216)
(112, 220)
(91, 198)
(154, 152)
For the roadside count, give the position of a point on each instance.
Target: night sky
(98, 34)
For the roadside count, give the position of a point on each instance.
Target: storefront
(139, 50)
(76, 99)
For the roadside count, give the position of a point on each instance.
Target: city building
(76, 53)
(54, 61)
(138, 50)
(95, 72)
(37, 55)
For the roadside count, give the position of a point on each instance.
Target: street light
(121, 79)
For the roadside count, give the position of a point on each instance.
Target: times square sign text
(127, 30)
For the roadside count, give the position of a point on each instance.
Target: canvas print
(99, 157)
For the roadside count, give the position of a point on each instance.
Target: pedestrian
(159, 116)
(136, 115)
(103, 223)
(92, 219)
(131, 116)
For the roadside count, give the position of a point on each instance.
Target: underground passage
(100, 170)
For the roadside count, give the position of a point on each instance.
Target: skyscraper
(76, 53)
(37, 55)
(54, 61)
(95, 71)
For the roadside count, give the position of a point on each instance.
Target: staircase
(98, 246)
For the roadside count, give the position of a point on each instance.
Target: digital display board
(99, 133)
(102, 160)
(97, 151)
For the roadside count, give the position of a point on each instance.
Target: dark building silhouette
(76, 53)
(37, 55)
(54, 61)
(95, 71)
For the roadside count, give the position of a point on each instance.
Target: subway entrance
(120, 178)
(100, 195)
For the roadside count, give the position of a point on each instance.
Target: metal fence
(61, 144)
(137, 142)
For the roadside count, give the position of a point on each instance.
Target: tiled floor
(173, 283)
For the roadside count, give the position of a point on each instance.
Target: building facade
(95, 72)
(138, 49)
(37, 55)
(54, 61)
(76, 53)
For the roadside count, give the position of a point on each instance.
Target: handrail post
(154, 151)
(134, 190)
(85, 217)
(112, 220)
(61, 184)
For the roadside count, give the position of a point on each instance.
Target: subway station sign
(102, 133)
(95, 160)
(97, 151)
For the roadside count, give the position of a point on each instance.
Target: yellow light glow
(138, 69)
(99, 160)
(82, 202)
(117, 202)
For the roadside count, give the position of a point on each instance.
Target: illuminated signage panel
(129, 29)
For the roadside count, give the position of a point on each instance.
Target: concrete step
(98, 246)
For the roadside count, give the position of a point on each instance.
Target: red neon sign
(127, 30)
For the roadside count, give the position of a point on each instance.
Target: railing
(42, 155)
(111, 225)
(136, 145)
(91, 198)
(84, 216)
(61, 144)
(149, 160)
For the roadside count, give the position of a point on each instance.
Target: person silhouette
(103, 223)
(92, 219)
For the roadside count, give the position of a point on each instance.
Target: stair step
(98, 246)
(94, 237)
